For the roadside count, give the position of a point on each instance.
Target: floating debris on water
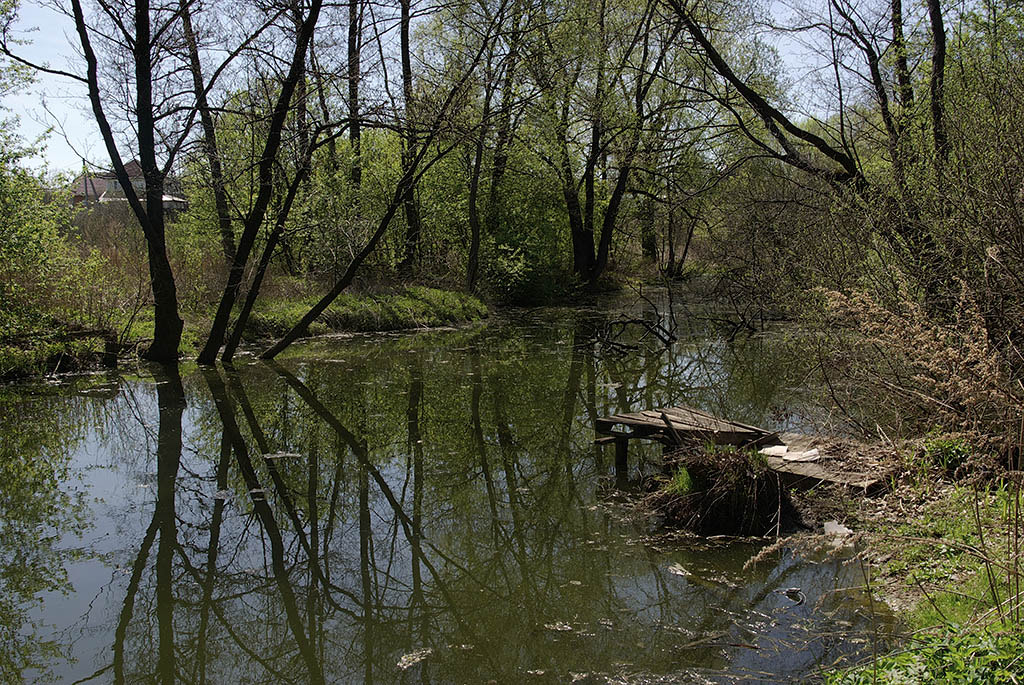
(412, 658)
(560, 626)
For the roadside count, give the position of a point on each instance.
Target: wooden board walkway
(796, 458)
(671, 424)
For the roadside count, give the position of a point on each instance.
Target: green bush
(37, 264)
(947, 453)
(949, 657)
(680, 483)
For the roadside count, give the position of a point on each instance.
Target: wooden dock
(799, 460)
(672, 425)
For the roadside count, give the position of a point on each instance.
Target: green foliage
(48, 351)
(523, 275)
(932, 545)
(948, 547)
(948, 657)
(948, 453)
(954, 549)
(37, 264)
(199, 265)
(680, 483)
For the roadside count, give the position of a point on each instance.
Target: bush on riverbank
(41, 344)
(55, 351)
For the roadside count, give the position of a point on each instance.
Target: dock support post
(621, 453)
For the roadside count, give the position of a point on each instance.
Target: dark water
(423, 508)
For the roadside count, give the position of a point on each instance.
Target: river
(414, 508)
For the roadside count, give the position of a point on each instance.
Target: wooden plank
(633, 419)
(709, 422)
(672, 425)
(695, 415)
(681, 422)
(809, 474)
(691, 418)
(699, 425)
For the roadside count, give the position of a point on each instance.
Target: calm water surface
(423, 508)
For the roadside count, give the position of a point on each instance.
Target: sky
(52, 101)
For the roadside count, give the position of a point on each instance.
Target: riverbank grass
(38, 345)
(947, 556)
(947, 657)
(409, 308)
(33, 344)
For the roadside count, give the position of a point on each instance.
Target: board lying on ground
(802, 461)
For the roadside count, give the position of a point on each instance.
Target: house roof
(103, 186)
(94, 185)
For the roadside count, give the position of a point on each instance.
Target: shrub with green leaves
(35, 258)
(946, 452)
(949, 657)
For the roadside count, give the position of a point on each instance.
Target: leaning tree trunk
(254, 220)
(937, 85)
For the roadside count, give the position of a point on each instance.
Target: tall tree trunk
(582, 240)
(413, 227)
(937, 85)
(354, 131)
(891, 123)
(325, 110)
(499, 162)
(261, 269)
(220, 199)
(149, 211)
(648, 234)
(473, 265)
(904, 90)
(167, 322)
(628, 154)
(595, 153)
(300, 103)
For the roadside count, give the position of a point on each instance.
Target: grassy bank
(40, 345)
(412, 307)
(943, 550)
(37, 345)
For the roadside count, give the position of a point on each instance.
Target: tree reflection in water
(426, 513)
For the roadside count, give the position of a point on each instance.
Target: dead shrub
(929, 374)
(725, 491)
